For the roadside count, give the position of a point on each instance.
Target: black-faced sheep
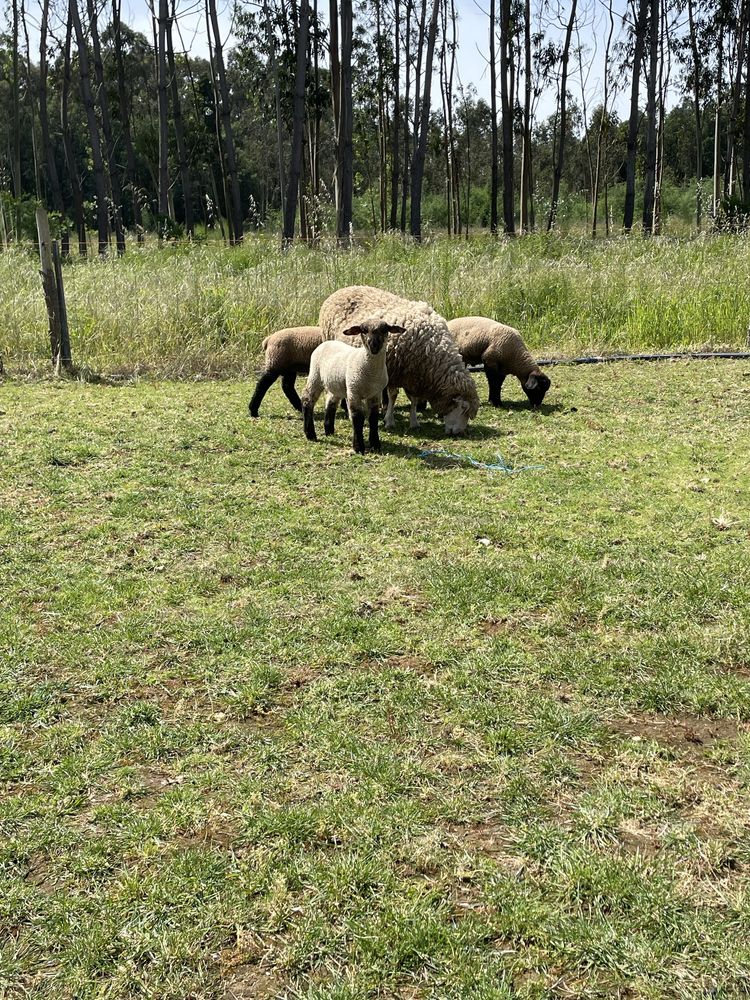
(356, 374)
(502, 351)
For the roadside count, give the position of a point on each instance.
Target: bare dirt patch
(489, 839)
(686, 734)
(252, 982)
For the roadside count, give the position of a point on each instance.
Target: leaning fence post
(48, 282)
(65, 358)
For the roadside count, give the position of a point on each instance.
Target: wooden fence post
(53, 293)
(65, 358)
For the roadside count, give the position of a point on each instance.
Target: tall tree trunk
(632, 147)
(407, 65)
(664, 43)
(345, 161)
(456, 208)
(220, 147)
(506, 105)
(48, 154)
(298, 127)
(396, 131)
(559, 158)
(271, 41)
(100, 185)
(494, 165)
(697, 70)
(526, 178)
(650, 174)
(318, 113)
(17, 183)
(32, 108)
(161, 87)
(179, 131)
(132, 172)
(418, 72)
(603, 125)
(70, 160)
(746, 139)
(226, 119)
(420, 150)
(733, 131)
(716, 201)
(115, 187)
(334, 62)
(446, 137)
(382, 127)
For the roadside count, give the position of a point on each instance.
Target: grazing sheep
(423, 360)
(355, 374)
(502, 351)
(288, 355)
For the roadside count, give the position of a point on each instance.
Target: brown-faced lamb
(288, 353)
(355, 374)
(423, 360)
(502, 351)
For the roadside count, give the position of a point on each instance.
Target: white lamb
(356, 374)
(423, 360)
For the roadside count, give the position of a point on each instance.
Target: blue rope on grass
(499, 466)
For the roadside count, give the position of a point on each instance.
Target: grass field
(182, 310)
(277, 721)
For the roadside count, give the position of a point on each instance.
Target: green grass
(203, 310)
(276, 720)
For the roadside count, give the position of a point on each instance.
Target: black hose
(601, 359)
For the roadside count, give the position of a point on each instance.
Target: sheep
(502, 351)
(288, 354)
(423, 360)
(356, 374)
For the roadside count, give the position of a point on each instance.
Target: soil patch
(688, 734)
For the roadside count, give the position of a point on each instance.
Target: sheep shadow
(522, 405)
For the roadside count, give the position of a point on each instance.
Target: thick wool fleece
(423, 360)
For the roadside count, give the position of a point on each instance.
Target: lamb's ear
(396, 329)
(352, 331)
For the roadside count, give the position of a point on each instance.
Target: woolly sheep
(356, 374)
(288, 353)
(502, 351)
(423, 360)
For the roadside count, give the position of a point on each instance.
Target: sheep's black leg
(329, 420)
(287, 384)
(265, 382)
(495, 379)
(385, 396)
(344, 408)
(358, 427)
(374, 434)
(309, 422)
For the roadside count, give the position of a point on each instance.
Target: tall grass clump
(204, 309)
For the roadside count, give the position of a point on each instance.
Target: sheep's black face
(535, 387)
(374, 338)
(373, 334)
